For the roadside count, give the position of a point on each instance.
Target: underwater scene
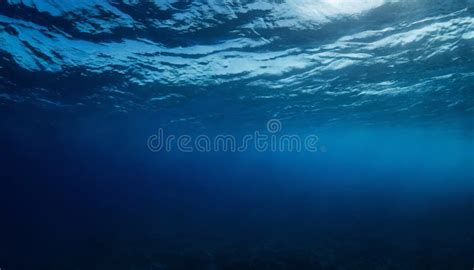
(237, 134)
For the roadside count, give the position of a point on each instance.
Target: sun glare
(354, 6)
(324, 10)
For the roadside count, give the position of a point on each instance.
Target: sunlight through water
(324, 10)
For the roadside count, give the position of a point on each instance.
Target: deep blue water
(383, 88)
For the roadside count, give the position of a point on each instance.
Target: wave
(309, 55)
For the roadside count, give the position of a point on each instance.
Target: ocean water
(235, 135)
